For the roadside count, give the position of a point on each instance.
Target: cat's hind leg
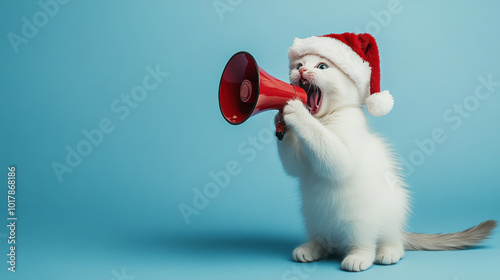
(359, 259)
(389, 254)
(362, 253)
(390, 249)
(309, 252)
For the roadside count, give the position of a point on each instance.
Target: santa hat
(355, 55)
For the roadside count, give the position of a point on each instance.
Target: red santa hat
(355, 55)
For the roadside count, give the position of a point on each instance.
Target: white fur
(353, 200)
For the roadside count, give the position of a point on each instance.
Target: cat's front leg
(290, 152)
(296, 114)
(325, 151)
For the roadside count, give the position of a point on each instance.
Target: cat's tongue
(314, 101)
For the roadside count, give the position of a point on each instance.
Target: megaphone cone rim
(257, 91)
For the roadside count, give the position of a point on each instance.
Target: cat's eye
(322, 66)
(298, 66)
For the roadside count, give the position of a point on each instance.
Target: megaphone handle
(280, 126)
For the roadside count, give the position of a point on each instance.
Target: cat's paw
(389, 254)
(356, 263)
(308, 253)
(294, 112)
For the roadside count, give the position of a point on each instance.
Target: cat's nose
(302, 70)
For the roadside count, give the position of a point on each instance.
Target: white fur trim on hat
(337, 52)
(380, 103)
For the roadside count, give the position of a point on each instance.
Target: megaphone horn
(246, 90)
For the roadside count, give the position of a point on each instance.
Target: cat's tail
(449, 241)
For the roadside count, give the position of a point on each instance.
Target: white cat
(354, 201)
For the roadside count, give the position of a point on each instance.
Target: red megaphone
(246, 90)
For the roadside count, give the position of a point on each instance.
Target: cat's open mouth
(313, 96)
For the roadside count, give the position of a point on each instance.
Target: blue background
(117, 212)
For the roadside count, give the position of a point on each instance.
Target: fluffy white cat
(354, 201)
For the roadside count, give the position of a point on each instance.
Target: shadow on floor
(207, 244)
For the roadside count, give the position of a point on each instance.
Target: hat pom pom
(380, 103)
